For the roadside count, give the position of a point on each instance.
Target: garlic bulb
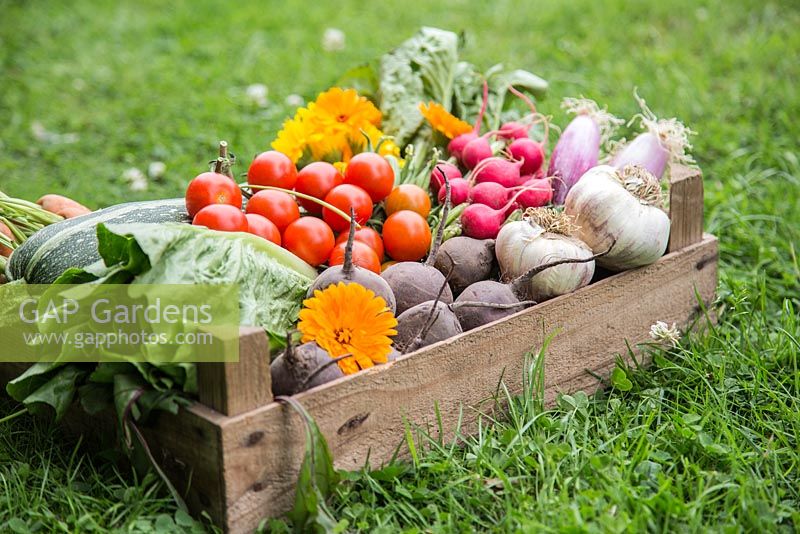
(525, 245)
(607, 205)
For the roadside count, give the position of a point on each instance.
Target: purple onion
(577, 151)
(646, 151)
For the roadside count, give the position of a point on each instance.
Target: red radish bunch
(496, 172)
(458, 143)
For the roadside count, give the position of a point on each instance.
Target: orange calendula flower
(330, 128)
(349, 319)
(345, 107)
(292, 139)
(442, 120)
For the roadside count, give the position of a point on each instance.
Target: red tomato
(310, 239)
(223, 217)
(211, 188)
(272, 168)
(408, 197)
(368, 236)
(316, 179)
(363, 256)
(344, 197)
(406, 236)
(372, 173)
(263, 227)
(277, 206)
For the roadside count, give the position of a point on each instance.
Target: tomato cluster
(294, 209)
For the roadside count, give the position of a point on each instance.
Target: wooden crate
(238, 452)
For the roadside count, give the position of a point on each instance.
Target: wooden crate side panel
(188, 447)
(361, 414)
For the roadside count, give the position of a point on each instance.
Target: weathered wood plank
(232, 388)
(363, 414)
(685, 207)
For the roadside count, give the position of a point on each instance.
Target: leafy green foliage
(316, 480)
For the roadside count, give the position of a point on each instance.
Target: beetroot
(466, 260)
(300, 368)
(350, 273)
(529, 152)
(484, 302)
(425, 324)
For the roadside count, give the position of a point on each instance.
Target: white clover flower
(257, 94)
(333, 40)
(294, 100)
(664, 334)
(136, 179)
(156, 169)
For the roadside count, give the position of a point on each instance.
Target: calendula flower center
(343, 335)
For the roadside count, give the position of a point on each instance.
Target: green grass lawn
(707, 438)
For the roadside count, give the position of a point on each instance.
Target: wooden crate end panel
(232, 388)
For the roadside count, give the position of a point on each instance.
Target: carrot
(60, 205)
(6, 231)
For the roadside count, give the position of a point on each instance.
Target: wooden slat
(362, 414)
(685, 207)
(232, 388)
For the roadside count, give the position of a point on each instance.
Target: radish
(538, 192)
(499, 170)
(578, 149)
(480, 221)
(529, 152)
(437, 179)
(456, 145)
(513, 130)
(491, 194)
(476, 151)
(459, 192)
